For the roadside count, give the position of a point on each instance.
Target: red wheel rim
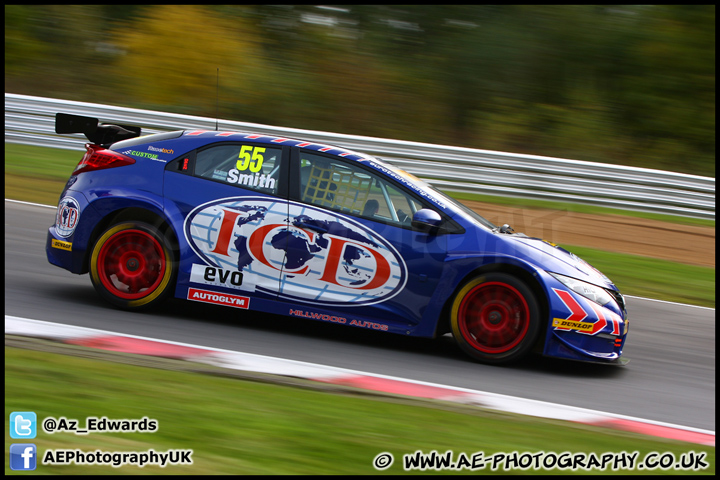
(493, 317)
(131, 264)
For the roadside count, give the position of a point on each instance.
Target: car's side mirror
(427, 221)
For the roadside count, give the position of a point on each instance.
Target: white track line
(387, 384)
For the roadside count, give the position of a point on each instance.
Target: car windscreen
(438, 196)
(463, 208)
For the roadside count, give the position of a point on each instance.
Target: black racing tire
(495, 318)
(132, 265)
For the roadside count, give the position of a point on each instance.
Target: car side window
(254, 167)
(348, 188)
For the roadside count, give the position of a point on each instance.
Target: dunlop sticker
(61, 245)
(572, 325)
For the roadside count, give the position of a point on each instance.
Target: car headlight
(587, 290)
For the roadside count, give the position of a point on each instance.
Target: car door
(353, 249)
(220, 194)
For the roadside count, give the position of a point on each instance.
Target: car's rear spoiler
(98, 133)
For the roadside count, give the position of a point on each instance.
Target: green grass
(236, 426)
(40, 162)
(37, 174)
(653, 278)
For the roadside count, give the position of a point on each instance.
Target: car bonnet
(556, 259)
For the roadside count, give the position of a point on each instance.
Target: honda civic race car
(292, 227)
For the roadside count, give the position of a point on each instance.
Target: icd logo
(68, 212)
(298, 251)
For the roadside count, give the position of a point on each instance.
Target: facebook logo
(23, 456)
(23, 425)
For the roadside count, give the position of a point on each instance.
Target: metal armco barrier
(31, 120)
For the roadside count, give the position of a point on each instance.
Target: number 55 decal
(252, 161)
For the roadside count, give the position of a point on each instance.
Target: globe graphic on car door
(300, 252)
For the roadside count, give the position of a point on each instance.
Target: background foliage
(631, 85)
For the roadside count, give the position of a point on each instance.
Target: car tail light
(99, 158)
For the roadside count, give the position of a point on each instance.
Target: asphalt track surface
(671, 347)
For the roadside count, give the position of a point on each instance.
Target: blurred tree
(332, 76)
(171, 54)
(630, 84)
(21, 41)
(668, 94)
(43, 51)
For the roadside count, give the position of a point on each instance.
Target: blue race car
(292, 227)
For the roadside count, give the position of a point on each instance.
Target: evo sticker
(296, 251)
(218, 277)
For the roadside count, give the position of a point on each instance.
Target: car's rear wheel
(495, 318)
(132, 265)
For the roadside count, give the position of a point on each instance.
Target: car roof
(213, 136)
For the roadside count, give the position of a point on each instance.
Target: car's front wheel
(132, 265)
(495, 318)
